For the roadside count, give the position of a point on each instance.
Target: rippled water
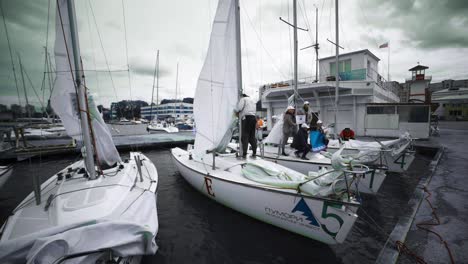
(195, 229)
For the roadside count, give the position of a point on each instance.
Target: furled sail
(64, 98)
(217, 92)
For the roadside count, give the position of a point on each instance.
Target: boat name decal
(306, 219)
(208, 183)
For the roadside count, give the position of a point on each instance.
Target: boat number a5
(326, 215)
(208, 183)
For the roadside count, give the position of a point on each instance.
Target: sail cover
(64, 98)
(217, 92)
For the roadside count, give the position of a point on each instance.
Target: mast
(156, 75)
(296, 93)
(176, 84)
(239, 68)
(316, 45)
(337, 76)
(85, 126)
(24, 88)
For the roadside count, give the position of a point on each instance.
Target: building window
(381, 110)
(343, 66)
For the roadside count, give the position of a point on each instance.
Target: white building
(360, 84)
(418, 84)
(178, 110)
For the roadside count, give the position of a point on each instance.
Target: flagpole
(388, 61)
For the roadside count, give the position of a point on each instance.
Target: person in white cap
(306, 109)
(300, 142)
(289, 127)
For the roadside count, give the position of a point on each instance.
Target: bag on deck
(317, 141)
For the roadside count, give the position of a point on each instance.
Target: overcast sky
(431, 32)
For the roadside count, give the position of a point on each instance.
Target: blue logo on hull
(302, 206)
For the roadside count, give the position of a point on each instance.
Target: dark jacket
(289, 124)
(300, 139)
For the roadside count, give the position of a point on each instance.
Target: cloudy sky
(432, 32)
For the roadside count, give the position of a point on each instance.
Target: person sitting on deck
(347, 134)
(300, 142)
(318, 138)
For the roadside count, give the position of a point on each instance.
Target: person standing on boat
(306, 109)
(246, 112)
(289, 127)
(259, 129)
(300, 142)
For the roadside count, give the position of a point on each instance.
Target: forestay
(64, 96)
(217, 92)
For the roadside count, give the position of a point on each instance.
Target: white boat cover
(321, 183)
(64, 99)
(358, 144)
(217, 87)
(132, 234)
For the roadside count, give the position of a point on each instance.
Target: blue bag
(316, 140)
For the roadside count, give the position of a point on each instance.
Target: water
(195, 229)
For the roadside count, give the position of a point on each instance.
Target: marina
(224, 139)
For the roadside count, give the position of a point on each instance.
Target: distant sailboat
(263, 190)
(84, 213)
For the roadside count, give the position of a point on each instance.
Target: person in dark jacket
(300, 142)
(289, 127)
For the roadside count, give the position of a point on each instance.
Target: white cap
(319, 122)
(306, 102)
(304, 125)
(290, 107)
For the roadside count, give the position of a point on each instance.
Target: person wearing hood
(289, 127)
(300, 142)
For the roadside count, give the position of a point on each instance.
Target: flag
(385, 45)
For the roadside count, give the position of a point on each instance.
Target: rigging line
(306, 20)
(71, 67)
(34, 89)
(11, 53)
(102, 47)
(291, 69)
(263, 46)
(92, 47)
(126, 52)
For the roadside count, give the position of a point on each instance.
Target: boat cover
(321, 183)
(132, 234)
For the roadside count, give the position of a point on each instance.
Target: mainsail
(217, 92)
(64, 98)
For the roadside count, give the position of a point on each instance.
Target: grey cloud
(427, 24)
(141, 66)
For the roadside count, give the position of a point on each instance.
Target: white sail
(276, 134)
(217, 92)
(64, 96)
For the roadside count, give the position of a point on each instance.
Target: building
(360, 84)
(418, 85)
(448, 84)
(453, 102)
(175, 110)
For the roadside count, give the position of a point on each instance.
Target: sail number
(326, 215)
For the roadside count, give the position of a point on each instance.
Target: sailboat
(84, 213)
(156, 126)
(315, 206)
(396, 154)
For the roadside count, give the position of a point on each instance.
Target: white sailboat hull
(161, 129)
(117, 211)
(312, 217)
